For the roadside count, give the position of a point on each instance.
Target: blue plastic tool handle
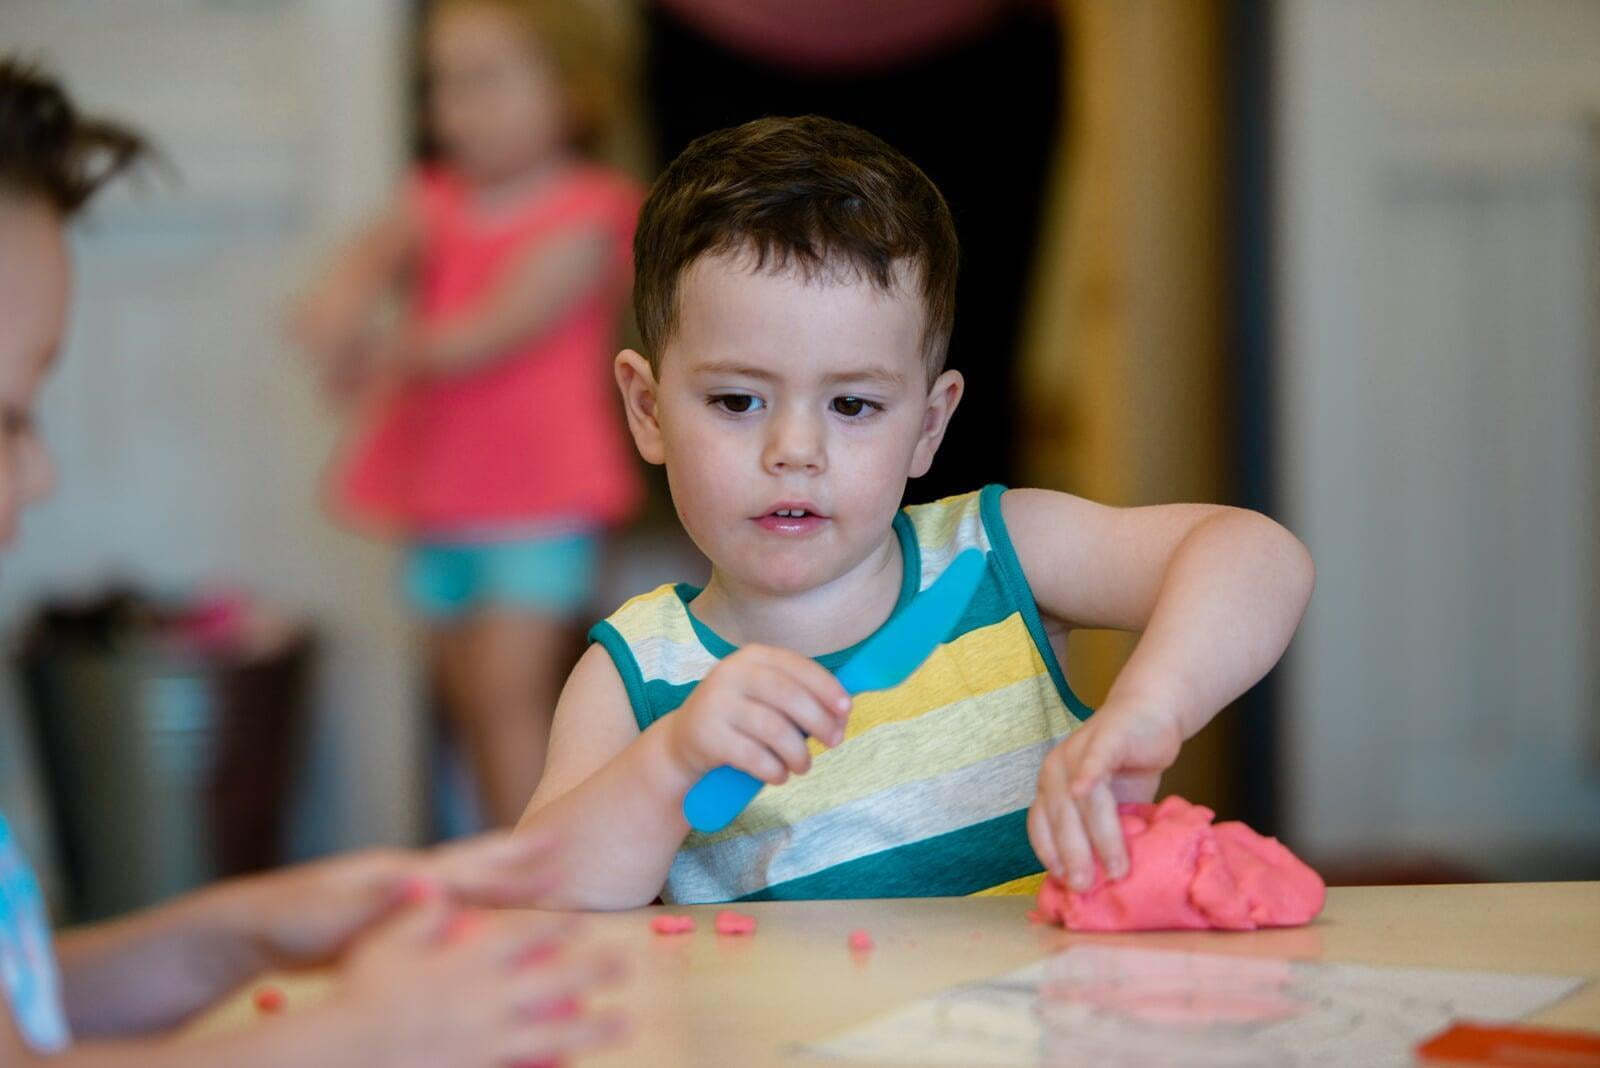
(885, 661)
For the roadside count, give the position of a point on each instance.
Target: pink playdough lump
(671, 925)
(735, 923)
(1185, 872)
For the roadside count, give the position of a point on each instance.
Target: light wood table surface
(709, 999)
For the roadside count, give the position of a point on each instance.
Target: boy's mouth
(791, 517)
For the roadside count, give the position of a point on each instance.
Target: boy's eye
(854, 406)
(736, 403)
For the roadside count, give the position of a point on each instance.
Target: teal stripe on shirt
(954, 864)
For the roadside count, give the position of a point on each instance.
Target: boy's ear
(943, 397)
(638, 385)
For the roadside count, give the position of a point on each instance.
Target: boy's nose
(794, 444)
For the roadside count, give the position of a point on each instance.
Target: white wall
(189, 440)
(1439, 219)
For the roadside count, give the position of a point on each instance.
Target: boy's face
(778, 395)
(33, 308)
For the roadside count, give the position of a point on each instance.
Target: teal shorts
(551, 576)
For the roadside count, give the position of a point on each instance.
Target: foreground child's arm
(1216, 594)
(422, 988)
(614, 795)
(154, 969)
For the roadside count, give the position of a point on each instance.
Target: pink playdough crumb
(860, 940)
(671, 925)
(735, 923)
(269, 999)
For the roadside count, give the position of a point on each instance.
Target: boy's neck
(814, 622)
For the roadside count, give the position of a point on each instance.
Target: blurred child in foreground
(420, 981)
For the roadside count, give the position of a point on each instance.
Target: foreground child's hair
(808, 193)
(50, 151)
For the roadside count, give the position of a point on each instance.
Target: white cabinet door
(1439, 415)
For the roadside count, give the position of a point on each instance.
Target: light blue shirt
(29, 978)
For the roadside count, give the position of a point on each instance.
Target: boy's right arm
(613, 795)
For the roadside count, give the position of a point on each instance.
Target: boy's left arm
(1216, 593)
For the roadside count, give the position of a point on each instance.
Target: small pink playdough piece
(1183, 872)
(671, 925)
(860, 940)
(735, 923)
(269, 1000)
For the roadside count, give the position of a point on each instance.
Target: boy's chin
(787, 574)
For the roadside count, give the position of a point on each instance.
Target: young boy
(420, 983)
(794, 289)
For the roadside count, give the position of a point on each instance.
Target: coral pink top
(530, 439)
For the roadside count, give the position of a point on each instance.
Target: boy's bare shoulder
(593, 723)
(596, 683)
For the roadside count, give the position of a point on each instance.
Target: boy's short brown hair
(809, 192)
(48, 149)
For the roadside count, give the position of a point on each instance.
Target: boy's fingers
(751, 756)
(775, 730)
(1072, 842)
(827, 690)
(1105, 830)
(1095, 763)
(1041, 837)
(783, 692)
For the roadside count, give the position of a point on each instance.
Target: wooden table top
(703, 998)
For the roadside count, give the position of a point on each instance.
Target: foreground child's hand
(754, 711)
(435, 986)
(308, 915)
(1118, 755)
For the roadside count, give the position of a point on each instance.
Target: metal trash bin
(169, 736)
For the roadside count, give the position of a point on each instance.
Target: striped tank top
(928, 794)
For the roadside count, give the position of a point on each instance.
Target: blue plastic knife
(885, 661)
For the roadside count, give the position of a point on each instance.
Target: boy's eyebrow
(728, 367)
(867, 374)
(864, 374)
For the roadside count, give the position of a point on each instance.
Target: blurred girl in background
(484, 430)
